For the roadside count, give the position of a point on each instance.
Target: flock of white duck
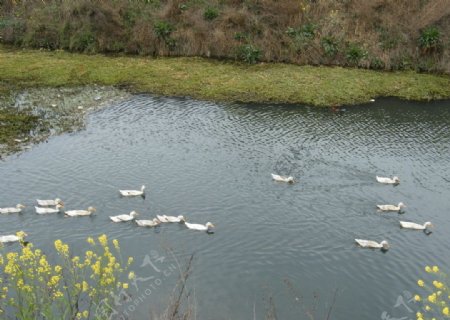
(55, 206)
(384, 245)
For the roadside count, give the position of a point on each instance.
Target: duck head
(401, 205)
(20, 206)
(182, 219)
(428, 225)
(209, 225)
(385, 245)
(134, 213)
(142, 188)
(59, 201)
(91, 209)
(21, 234)
(396, 179)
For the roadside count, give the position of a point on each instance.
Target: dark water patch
(212, 162)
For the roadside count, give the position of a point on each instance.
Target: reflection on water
(213, 163)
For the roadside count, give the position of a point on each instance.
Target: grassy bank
(216, 80)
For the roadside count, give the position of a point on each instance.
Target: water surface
(212, 162)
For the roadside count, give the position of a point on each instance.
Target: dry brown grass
(387, 31)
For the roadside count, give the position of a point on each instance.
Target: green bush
(376, 63)
(330, 46)
(355, 53)
(248, 53)
(210, 14)
(83, 41)
(429, 39)
(163, 29)
(306, 31)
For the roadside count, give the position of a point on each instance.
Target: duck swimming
(391, 207)
(124, 217)
(80, 213)
(133, 193)
(148, 223)
(40, 210)
(17, 209)
(279, 178)
(47, 203)
(394, 180)
(384, 245)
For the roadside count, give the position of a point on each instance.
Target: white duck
(165, 218)
(394, 180)
(17, 209)
(148, 223)
(13, 237)
(78, 213)
(49, 210)
(200, 227)
(124, 217)
(384, 245)
(46, 203)
(279, 178)
(133, 193)
(391, 207)
(416, 226)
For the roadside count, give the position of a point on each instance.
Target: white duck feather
(416, 226)
(12, 237)
(200, 227)
(40, 210)
(47, 203)
(174, 219)
(393, 180)
(17, 209)
(133, 193)
(148, 223)
(124, 217)
(391, 207)
(80, 213)
(279, 178)
(372, 244)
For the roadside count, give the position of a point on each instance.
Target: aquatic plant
(73, 287)
(435, 295)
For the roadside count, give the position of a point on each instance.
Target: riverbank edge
(215, 80)
(200, 78)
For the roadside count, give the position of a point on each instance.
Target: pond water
(275, 244)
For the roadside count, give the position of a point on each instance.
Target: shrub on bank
(299, 32)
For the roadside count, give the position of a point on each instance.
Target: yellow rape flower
(428, 269)
(435, 269)
(103, 239)
(420, 283)
(85, 286)
(58, 269)
(417, 298)
(432, 298)
(90, 241)
(85, 313)
(428, 308)
(130, 260)
(116, 244)
(438, 284)
(419, 315)
(131, 275)
(445, 311)
(125, 285)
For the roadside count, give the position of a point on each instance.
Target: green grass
(216, 80)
